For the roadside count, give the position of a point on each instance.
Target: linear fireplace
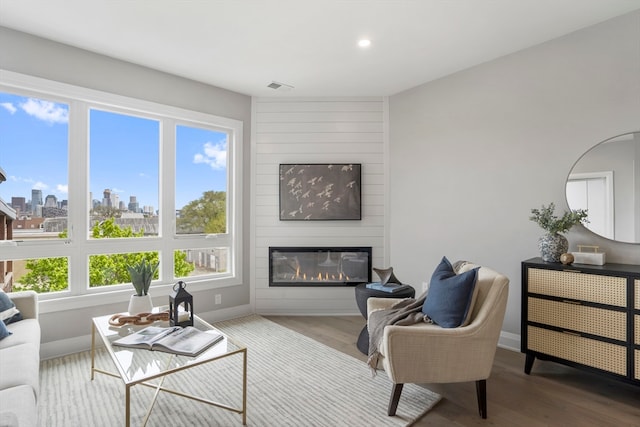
(319, 266)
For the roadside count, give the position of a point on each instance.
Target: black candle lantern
(180, 298)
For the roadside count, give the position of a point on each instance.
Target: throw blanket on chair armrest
(406, 312)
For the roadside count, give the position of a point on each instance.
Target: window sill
(122, 294)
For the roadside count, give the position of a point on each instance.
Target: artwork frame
(320, 191)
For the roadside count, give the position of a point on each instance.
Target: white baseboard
(53, 349)
(509, 341)
(226, 313)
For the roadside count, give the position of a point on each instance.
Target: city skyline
(124, 154)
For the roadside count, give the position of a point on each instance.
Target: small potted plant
(141, 275)
(553, 244)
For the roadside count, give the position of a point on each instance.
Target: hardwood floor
(553, 395)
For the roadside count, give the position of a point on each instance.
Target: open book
(187, 341)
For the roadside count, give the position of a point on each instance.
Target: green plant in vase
(553, 244)
(141, 275)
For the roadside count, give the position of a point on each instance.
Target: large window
(34, 139)
(108, 180)
(124, 156)
(201, 180)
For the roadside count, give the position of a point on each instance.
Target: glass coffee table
(141, 366)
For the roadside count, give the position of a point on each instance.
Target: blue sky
(124, 154)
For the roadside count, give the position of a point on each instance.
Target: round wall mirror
(606, 181)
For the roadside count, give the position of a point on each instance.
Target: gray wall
(38, 57)
(472, 153)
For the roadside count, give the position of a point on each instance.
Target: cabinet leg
(528, 363)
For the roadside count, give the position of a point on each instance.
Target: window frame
(78, 246)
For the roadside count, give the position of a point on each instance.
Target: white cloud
(40, 186)
(62, 188)
(215, 155)
(46, 111)
(21, 179)
(9, 107)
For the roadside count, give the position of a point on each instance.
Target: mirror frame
(607, 189)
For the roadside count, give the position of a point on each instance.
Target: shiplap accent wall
(315, 130)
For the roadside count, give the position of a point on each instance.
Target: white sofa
(20, 365)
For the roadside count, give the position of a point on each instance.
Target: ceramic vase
(552, 246)
(140, 304)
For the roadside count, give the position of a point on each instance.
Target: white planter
(140, 304)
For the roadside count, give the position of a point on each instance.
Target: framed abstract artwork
(320, 191)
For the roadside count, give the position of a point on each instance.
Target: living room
(453, 168)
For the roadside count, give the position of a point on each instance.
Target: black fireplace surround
(319, 266)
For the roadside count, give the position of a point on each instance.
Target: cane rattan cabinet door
(583, 316)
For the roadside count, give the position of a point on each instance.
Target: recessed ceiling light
(364, 43)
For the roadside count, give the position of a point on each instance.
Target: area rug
(292, 381)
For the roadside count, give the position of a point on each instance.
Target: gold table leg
(127, 407)
(244, 387)
(93, 349)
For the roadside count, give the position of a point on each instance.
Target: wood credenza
(584, 316)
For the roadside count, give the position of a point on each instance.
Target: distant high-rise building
(133, 204)
(19, 204)
(51, 201)
(106, 200)
(36, 199)
(122, 206)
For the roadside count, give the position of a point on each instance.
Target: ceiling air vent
(279, 86)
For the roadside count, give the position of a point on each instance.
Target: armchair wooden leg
(395, 398)
(481, 390)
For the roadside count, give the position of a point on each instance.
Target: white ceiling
(243, 45)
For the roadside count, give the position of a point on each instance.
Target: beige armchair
(426, 353)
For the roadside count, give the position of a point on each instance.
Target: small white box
(591, 258)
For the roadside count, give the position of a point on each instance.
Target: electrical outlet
(218, 299)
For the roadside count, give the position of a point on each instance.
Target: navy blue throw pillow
(4, 332)
(450, 295)
(8, 311)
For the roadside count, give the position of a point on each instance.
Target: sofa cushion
(9, 419)
(23, 332)
(448, 302)
(18, 407)
(20, 365)
(8, 311)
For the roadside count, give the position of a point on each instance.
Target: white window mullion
(167, 196)
(234, 204)
(79, 200)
